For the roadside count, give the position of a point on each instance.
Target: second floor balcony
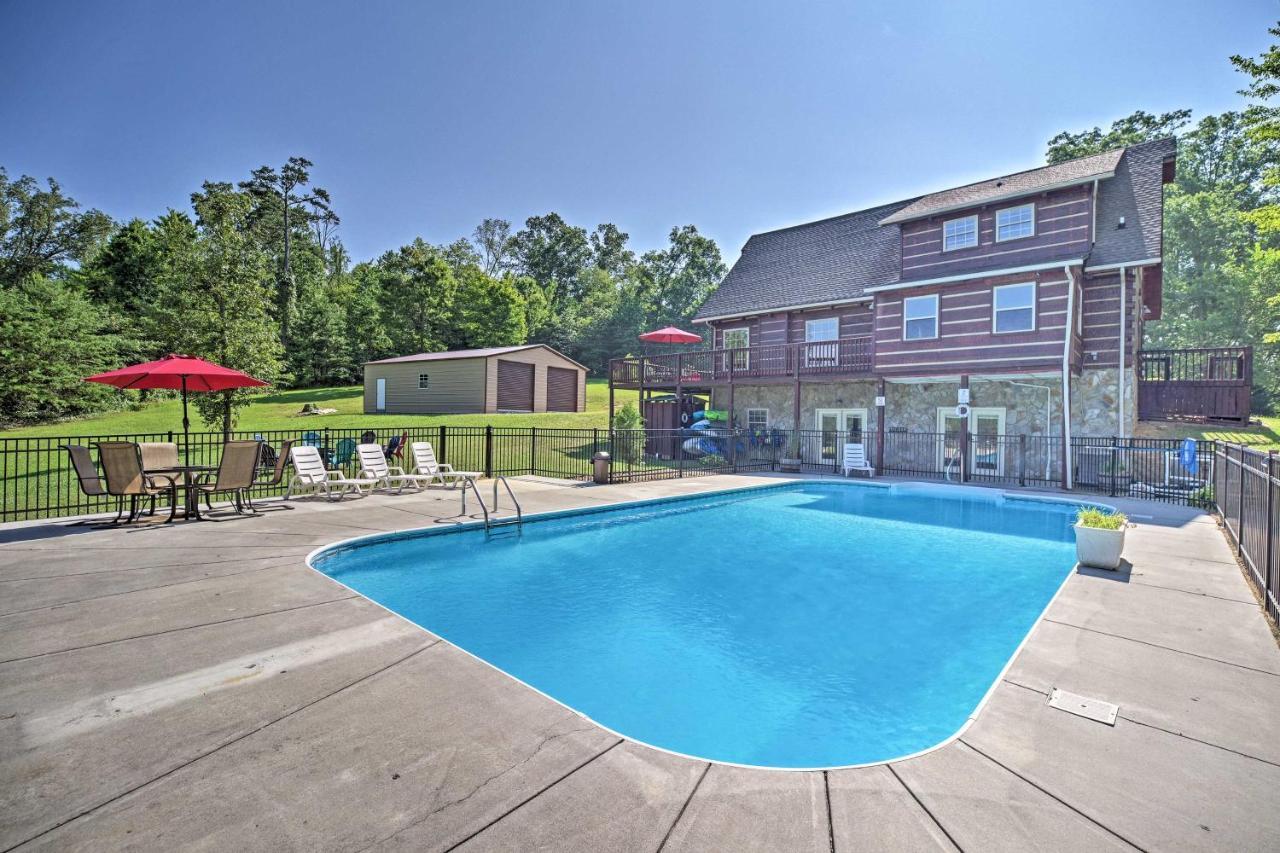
(847, 358)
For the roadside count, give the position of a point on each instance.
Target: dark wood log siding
(1101, 307)
(515, 386)
(1062, 222)
(965, 342)
(856, 321)
(562, 389)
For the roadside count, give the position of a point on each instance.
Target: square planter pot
(789, 466)
(1099, 548)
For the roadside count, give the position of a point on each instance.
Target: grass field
(279, 411)
(1265, 436)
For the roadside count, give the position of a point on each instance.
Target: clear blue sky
(423, 118)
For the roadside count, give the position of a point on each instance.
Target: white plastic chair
(855, 459)
(373, 466)
(309, 474)
(425, 465)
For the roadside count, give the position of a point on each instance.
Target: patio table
(191, 497)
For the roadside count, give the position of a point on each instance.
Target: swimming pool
(803, 625)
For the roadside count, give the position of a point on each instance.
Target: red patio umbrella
(174, 372)
(671, 335)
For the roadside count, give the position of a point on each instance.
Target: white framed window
(738, 339)
(920, 317)
(1015, 222)
(960, 233)
(817, 353)
(825, 329)
(758, 419)
(1013, 308)
(424, 380)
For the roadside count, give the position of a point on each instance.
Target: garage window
(424, 380)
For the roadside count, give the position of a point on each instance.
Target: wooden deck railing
(848, 357)
(1209, 383)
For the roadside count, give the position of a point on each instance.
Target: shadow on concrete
(1120, 575)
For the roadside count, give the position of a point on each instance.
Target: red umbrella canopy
(670, 335)
(177, 372)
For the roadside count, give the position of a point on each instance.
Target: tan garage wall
(455, 386)
(540, 357)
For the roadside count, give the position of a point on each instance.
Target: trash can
(601, 463)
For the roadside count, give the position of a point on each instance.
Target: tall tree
(1130, 130)
(42, 229)
(223, 297)
(286, 203)
(552, 253)
(492, 239)
(681, 276)
(609, 249)
(417, 295)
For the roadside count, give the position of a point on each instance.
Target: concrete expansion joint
(1053, 796)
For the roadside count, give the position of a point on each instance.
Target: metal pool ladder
(493, 521)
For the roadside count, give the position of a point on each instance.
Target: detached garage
(530, 378)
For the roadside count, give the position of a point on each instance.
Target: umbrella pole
(186, 424)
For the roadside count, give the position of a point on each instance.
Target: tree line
(255, 276)
(1221, 221)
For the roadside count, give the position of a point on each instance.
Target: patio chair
(395, 447)
(91, 485)
(275, 468)
(157, 455)
(235, 475)
(855, 459)
(373, 464)
(344, 453)
(124, 477)
(425, 464)
(310, 474)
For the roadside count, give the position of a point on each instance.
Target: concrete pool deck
(198, 686)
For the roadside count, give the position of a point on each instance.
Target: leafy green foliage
(1130, 130)
(1101, 519)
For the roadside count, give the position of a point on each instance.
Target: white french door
(986, 425)
(837, 426)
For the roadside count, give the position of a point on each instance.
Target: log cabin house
(1023, 297)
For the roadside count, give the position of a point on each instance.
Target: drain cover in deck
(1083, 706)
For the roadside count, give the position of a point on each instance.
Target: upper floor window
(424, 380)
(960, 233)
(826, 329)
(1014, 307)
(1015, 222)
(920, 317)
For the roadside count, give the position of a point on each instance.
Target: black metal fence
(1245, 487)
(37, 480)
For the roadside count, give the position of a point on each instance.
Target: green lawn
(1265, 436)
(279, 411)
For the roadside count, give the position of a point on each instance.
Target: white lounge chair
(373, 466)
(855, 459)
(425, 465)
(309, 474)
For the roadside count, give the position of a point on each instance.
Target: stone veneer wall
(913, 407)
(1094, 398)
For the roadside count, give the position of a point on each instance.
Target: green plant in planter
(1101, 519)
(713, 460)
(793, 447)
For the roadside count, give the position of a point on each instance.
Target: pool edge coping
(465, 526)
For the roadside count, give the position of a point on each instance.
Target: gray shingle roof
(1077, 171)
(469, 353)
(834, 260)
(1137, 194)
(831, 260)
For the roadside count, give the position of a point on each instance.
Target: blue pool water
(807, 625)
